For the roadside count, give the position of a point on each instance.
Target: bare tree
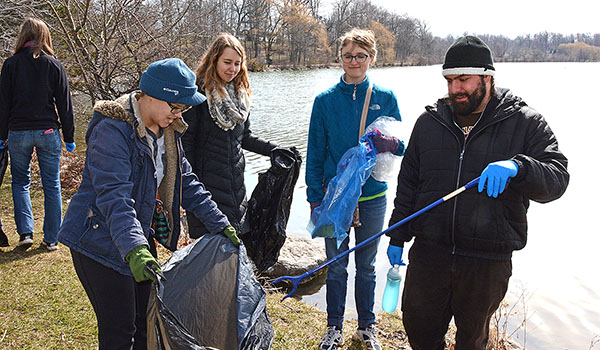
(109, 43)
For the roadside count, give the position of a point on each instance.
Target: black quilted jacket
(439, 160)
(218, 160)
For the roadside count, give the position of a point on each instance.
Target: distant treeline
(106, 44)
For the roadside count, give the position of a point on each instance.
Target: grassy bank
(44, 306)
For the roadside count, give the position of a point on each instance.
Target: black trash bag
(209, 299)
(269, 208)
(3, 163)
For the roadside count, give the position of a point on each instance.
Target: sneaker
(50, 246)
(368, 337)
(332, 339)
(25, 241)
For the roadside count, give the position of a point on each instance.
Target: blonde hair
(362, 37)
(36, 30)
(206, 73)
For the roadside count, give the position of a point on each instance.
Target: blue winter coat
(112, 211)
(333, 129)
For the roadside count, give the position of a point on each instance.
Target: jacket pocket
(96, 236)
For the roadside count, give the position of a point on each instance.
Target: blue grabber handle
(295, 280)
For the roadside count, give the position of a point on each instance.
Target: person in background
(334, 128)
(219, 131)
(460, 261)
(134, 181)
(3, 165)
(35, 102)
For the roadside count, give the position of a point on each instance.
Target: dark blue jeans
(47, 147)
(372, 213)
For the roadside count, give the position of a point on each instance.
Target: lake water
(557, 272)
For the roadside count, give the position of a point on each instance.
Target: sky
(510, 18)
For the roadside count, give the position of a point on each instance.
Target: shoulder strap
(365, 110)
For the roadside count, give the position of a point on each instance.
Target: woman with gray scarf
(219, 131)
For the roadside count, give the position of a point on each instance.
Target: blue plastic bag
(334, 216)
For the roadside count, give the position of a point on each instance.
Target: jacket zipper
(354, 93)
(460, 161)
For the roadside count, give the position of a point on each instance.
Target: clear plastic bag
(388, 164)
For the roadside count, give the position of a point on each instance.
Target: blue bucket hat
(172, 81)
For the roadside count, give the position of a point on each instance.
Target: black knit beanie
(469, 55)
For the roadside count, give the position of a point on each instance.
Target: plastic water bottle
(392, 289)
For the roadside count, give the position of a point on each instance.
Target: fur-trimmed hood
(126, 109)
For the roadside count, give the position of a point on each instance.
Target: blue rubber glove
(496, 175)
(394, 254)
(70, 146)
(2, 144)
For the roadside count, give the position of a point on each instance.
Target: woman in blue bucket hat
(134, 181)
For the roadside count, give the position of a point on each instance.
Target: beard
(473, 100)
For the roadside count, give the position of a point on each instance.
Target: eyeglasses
(177, 110)
(360, 58)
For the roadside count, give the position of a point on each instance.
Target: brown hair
(206, 73)
(361, 37)
(36, 30)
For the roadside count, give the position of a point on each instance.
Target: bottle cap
(394, 272)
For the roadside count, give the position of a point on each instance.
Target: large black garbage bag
(3, 163)
(269, 208)
(210, 299)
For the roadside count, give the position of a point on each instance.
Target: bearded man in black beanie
(460, 261)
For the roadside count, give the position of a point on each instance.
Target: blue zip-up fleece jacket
(112, 211)
(333, 129)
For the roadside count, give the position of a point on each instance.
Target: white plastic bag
(388, 164)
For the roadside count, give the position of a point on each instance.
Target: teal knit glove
(137, 259)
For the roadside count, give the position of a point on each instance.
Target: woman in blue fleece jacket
(334, 128)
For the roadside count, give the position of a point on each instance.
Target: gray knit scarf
(230, 110)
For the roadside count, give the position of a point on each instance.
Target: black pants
(119, 303)
(440, 285)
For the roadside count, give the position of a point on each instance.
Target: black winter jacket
(217, 159)
(32, 91)
(439, 160)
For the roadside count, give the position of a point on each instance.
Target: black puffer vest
(218, 160)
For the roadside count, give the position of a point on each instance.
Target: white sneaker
(50, 246)
(25, 241)
(368, 337)
(332, 339)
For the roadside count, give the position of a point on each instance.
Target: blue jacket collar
(349, 88)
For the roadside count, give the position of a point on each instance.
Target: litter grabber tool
(295, 280)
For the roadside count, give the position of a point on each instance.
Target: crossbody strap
(365, 110)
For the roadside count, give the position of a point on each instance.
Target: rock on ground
(298, 255)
